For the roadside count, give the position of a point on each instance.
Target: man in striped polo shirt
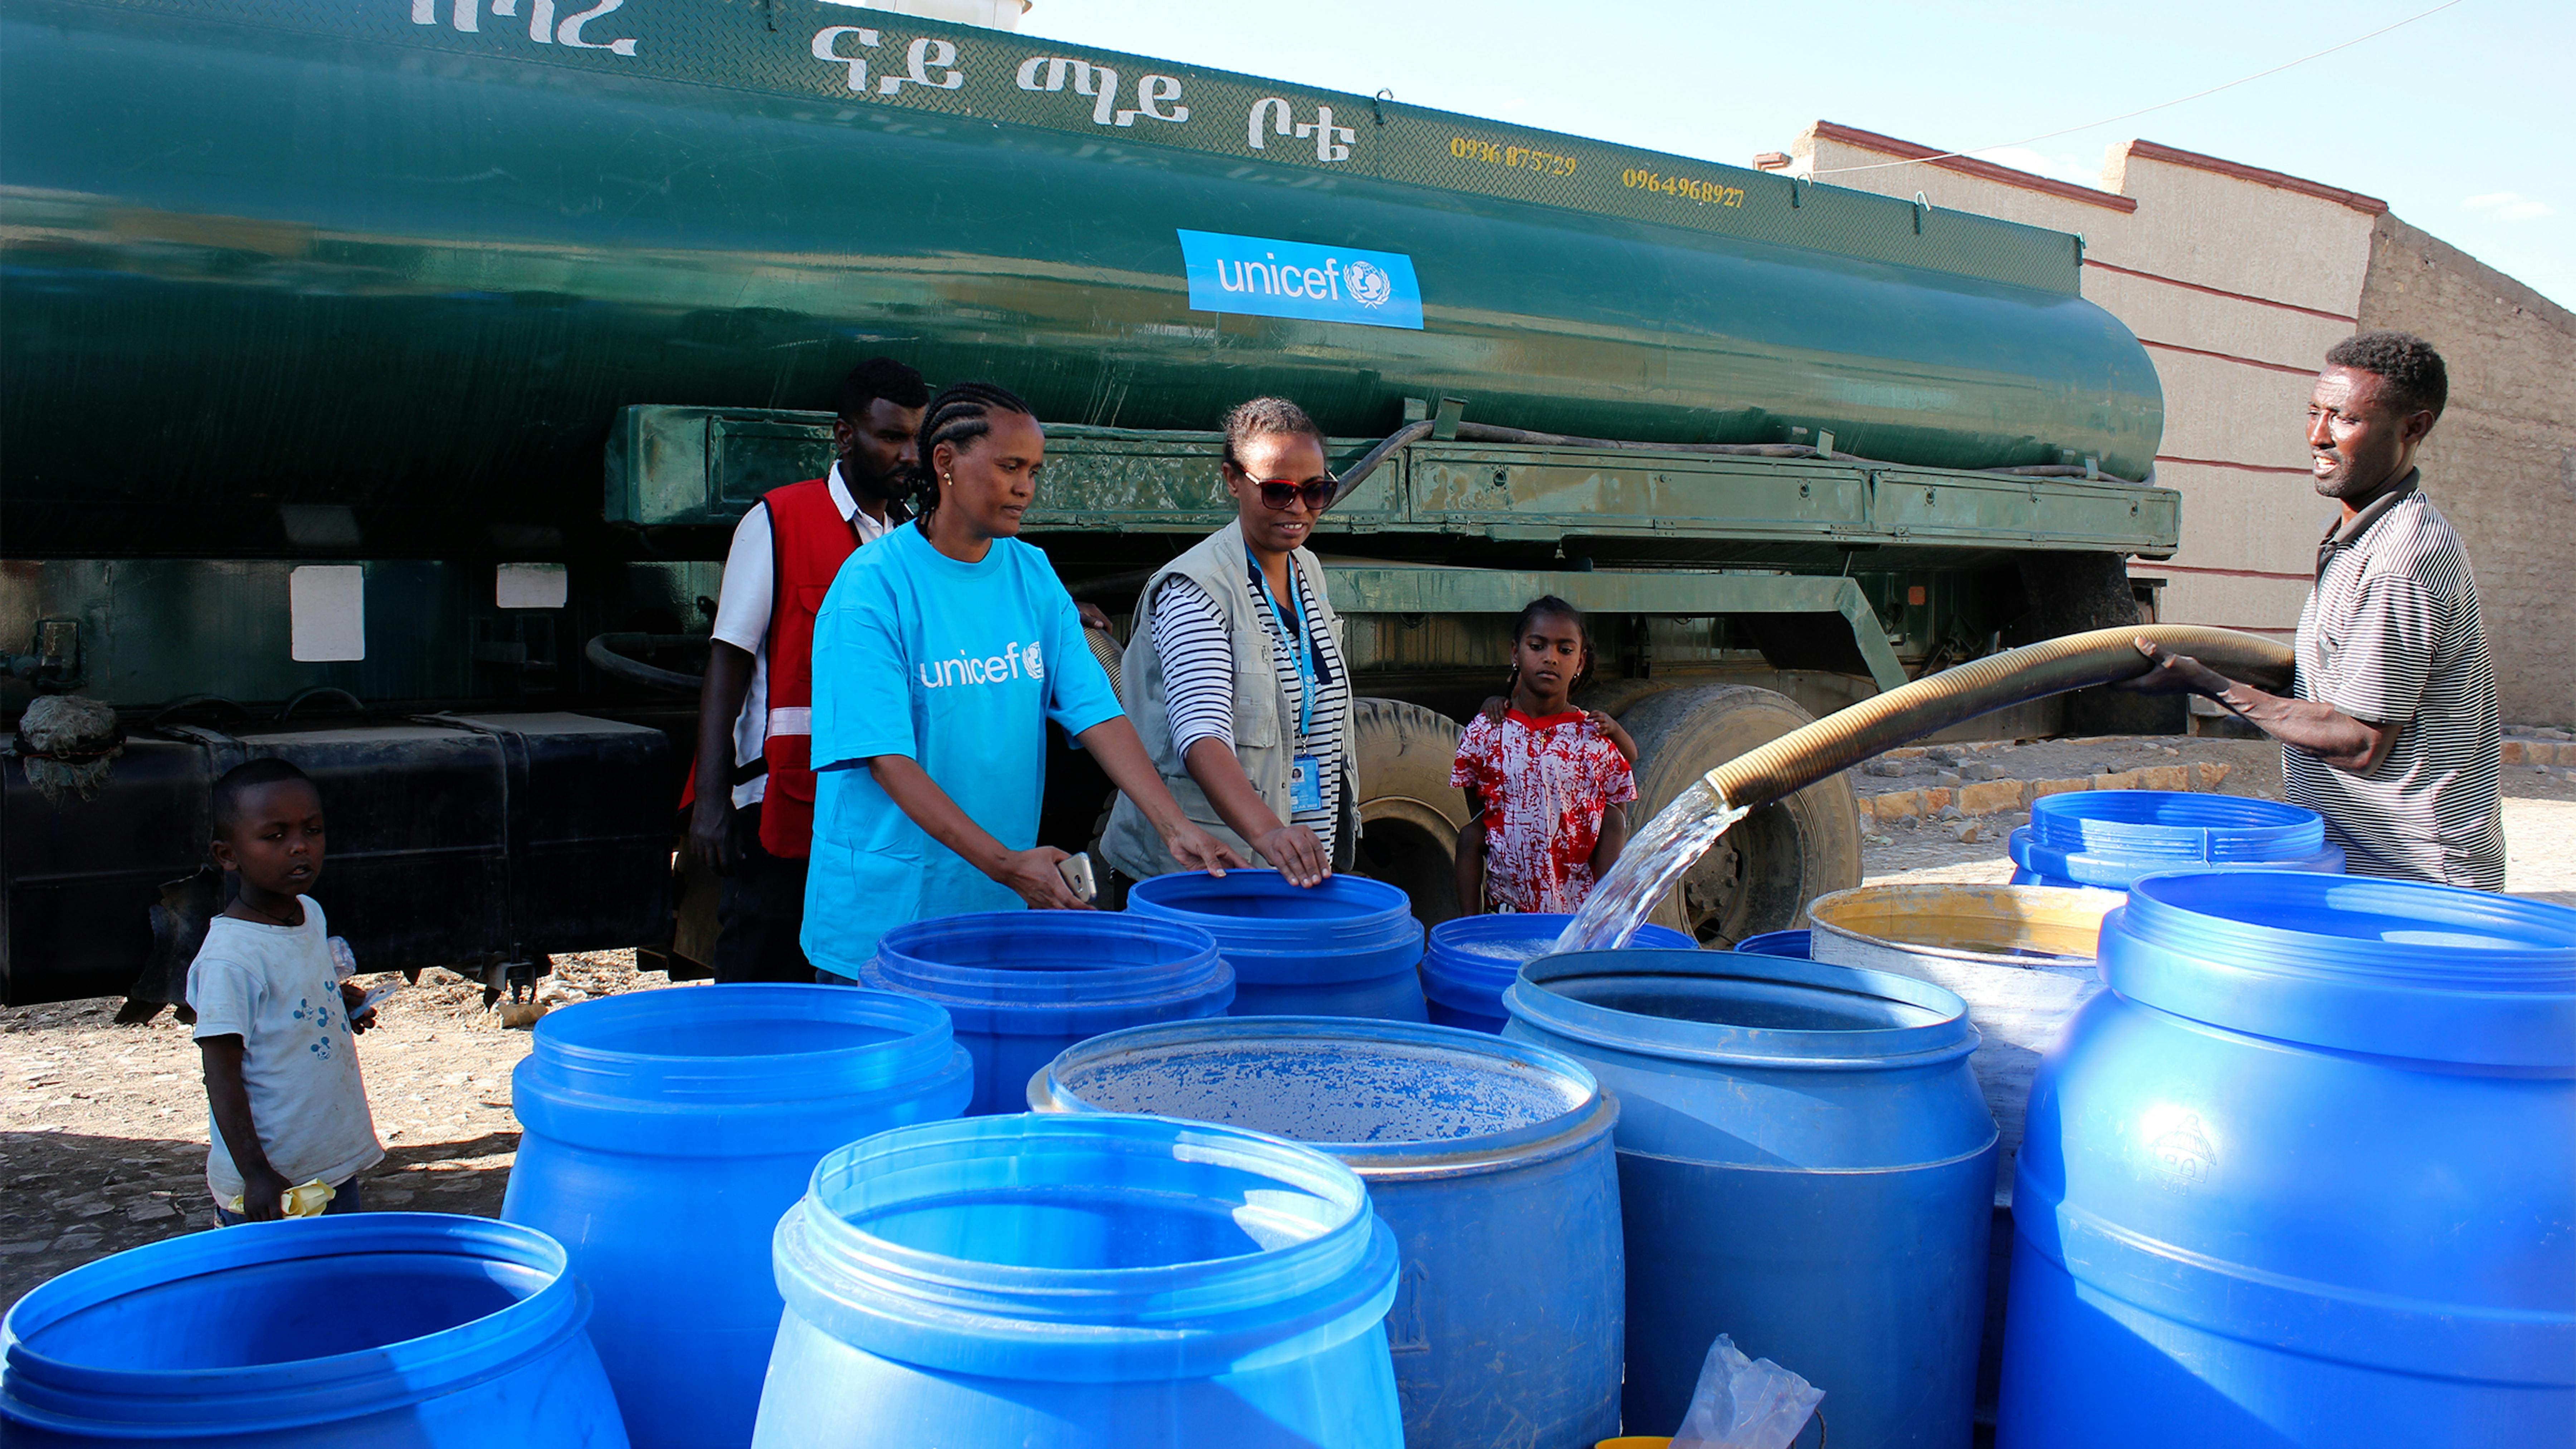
(2390, 730)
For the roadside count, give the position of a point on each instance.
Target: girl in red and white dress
(1547, 783)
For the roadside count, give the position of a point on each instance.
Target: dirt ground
(2539, 810)
(103, 1127)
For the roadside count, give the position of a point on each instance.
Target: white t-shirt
(742, 620)
(273, 987)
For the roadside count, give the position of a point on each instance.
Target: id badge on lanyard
(1306, 785)
(1305, 772)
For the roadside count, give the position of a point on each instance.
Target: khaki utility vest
(1264, 729)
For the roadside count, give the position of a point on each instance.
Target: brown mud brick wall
(2502, 464)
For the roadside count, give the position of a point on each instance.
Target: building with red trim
(2237, 280)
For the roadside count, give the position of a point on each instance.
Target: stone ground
(103, 1127)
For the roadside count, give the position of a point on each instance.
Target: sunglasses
(1278, 493)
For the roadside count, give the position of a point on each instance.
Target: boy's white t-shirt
(273, 987)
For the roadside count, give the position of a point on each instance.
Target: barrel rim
(2229, 827)
(1760, 943)
(1378, 910)
(2073, 870)
(1197, 970)
(1948, 1037)
(1410, 1159)
(742, 1106)
(2450, 1001)
(564, 1065)
(1820, 909)
(2156, 913)
(1075, 1016)
(1194, 1318)
(1444, 962)
(45, 1391)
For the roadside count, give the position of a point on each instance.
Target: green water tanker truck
(383, 379)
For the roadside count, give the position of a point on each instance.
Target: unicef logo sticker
(1370, 285)
(1304, 281)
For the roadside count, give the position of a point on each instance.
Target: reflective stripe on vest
(809, 540)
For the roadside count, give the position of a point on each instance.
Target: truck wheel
(1761, 874)
(2069, 593)
(1615, 697)
(1410, 814)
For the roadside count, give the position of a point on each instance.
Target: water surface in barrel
(1508, 950)
(1320, 1091)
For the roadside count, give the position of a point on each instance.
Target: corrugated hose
(1999, 681)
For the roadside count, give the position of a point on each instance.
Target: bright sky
(2464, 122)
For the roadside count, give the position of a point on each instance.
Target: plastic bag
(1745, 1403)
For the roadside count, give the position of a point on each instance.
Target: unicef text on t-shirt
(1016, 661)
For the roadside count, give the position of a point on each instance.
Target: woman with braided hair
(940, 654)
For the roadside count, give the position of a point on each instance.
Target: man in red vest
(753, 816)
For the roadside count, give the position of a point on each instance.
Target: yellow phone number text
(1518, 158)
(1707, 193)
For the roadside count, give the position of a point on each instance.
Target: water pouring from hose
(1685, 829)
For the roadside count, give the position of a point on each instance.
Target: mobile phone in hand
(1076, 870)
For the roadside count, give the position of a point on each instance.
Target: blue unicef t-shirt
(958, 666)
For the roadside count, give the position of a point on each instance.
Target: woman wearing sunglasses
(1235, 676)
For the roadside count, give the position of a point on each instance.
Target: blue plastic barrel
(1473, 960)
(2304, 1175)
(1348, 946)
(1776, 943)
(1491, 1160)
(664, 1133)
(2109, 838)
(395, 1330)
(1082, 1282)
(1805, 1163)
(1021, 986)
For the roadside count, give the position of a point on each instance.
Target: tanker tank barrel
(483, 379)
(280, 274)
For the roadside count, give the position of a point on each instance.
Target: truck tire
(2070, 593)
(1410, 814)
(1615, 697)
(1761, 874)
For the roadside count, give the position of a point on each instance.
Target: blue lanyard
(1296, 642)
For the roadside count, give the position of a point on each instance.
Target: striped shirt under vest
(2390, 635)
(1198, 667)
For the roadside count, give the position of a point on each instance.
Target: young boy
(273, 1022)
